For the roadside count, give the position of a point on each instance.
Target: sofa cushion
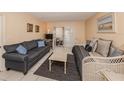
(83, 51)
(93, 44)
(40, 49)
(41, 43)
(115, 52)
(95, 47)
(11, 48)
(34, 53)
(88, 48)
(112, 48)
(21, 50)
(41, 40)
(95, 54)
(103, 47)
(29, 44)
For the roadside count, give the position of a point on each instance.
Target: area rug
(57, 72)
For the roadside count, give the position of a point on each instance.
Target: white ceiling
(63, 16)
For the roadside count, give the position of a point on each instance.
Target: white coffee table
(59, 55)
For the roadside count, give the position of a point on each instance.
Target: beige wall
(117, 37)
(16, 27)
(78, 28)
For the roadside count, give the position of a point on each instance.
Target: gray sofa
(23, 63)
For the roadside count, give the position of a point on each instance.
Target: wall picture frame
(37, 28)
(29, 27)
(106, 23)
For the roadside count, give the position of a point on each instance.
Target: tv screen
(49, 36)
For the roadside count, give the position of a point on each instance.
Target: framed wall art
(29, 27)
(106, 23)
(37, 28)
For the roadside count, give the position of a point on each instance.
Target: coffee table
(59, 55)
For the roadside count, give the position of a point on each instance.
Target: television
(49, 36)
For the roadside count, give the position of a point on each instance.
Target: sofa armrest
(96, 64)
(117, 59)
(15, 57)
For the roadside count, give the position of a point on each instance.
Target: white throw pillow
(103, 47)
(93, 44)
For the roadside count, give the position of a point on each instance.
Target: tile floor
(13, 75)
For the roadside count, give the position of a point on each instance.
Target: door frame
(3, 42)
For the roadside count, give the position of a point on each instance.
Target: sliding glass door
(64, 37)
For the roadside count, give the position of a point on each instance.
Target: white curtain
(68, 37)
(59, 32)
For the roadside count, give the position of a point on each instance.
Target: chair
(59, 42)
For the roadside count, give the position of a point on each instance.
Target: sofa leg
(25, 73)
(7, 69)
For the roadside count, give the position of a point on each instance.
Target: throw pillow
(112, 49)
(21, 50)
(117, 52)
(103, 47)
(89, 48)
(86, 46)
(93, 44)
(41, 43)
(95, 47)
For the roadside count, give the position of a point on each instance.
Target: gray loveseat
(23, 63)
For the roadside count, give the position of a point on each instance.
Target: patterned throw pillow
(116, 52)
(21, 50)
(112, 49)
(93, 44)
(103, 47)
(87, 43)
(88, 48)
(41, 43)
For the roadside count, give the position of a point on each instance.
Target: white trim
(3, 38)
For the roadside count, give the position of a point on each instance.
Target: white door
(2, 62)
(68, 37)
